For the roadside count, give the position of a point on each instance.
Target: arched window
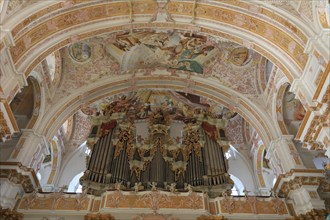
(74, 185)
(231, 152)
(274, 181)
(321, 162)
(39, 176)
(238, 186)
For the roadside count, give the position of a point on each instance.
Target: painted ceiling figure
(170, 50)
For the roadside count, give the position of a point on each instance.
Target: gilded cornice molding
(297, 178)
(315, 120)
(253, 205)
(314, 214)
(16, 173)
(10, 214)
(54, 201)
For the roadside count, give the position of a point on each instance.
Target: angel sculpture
(246, 192)
(273, 193)
(189, 188)
(118, 185)
(172, 187)
(136, 187)
(153, 186)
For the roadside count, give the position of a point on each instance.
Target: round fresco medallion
(239, 56)
(80, 52)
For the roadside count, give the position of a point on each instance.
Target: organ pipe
(197, 160)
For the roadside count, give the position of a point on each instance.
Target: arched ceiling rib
(128, 82)
(63, 23)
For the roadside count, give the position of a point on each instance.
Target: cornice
(16, 173)
(10, 214)
(296, 178)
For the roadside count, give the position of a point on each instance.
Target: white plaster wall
(45, 171)
(6, 150)
(74, 164)
(269, 177)
(239, 167)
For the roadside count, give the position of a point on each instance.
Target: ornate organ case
(185, 152)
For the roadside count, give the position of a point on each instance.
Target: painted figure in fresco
(293, 112)
(161, 12)
(299, 113)
(80, 51)
(168, 50)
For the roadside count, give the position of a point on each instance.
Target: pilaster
(28, 144)
(283, 155)
(11, 77)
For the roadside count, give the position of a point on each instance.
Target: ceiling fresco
(103, 56)
(82, 127)
(293, 112)
(167, 50)
(93, 59)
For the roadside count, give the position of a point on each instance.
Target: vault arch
(123, 83)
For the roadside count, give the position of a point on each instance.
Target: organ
(168, 145)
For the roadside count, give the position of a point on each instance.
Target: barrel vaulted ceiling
(215, 49)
